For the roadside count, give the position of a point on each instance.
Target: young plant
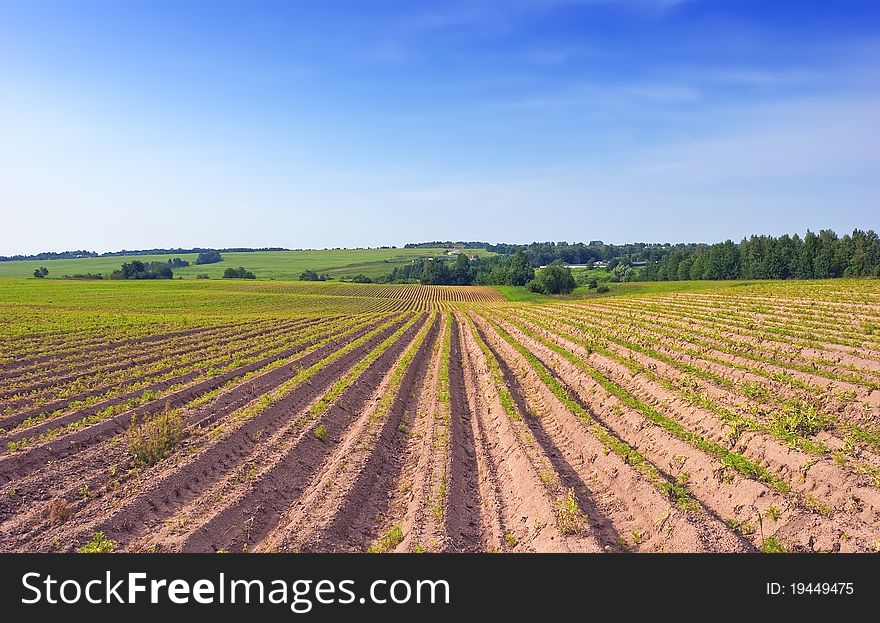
(321, 432)
(771, 545)
(389, 541)
(99, 544)
(571, 519)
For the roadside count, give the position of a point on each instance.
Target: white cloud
(763, 77)
(617, 97)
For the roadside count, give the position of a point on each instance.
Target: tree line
(67, 255)
(822, 255)
(813, 256)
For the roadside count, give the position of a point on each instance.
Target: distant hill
(72, 255)
(273, 264)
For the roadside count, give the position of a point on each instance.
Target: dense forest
(815, 256)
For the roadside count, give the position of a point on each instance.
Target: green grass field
(286, 265)
(583, 275)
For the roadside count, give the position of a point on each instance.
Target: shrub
(555, 279)
(156, 437)
(602, 289)
(41, 272)
(59, 510)
(799, 418)
(534, 286)
(202, 276)
(361, 279)
(99, 544)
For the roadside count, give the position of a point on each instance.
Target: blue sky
(315, 124)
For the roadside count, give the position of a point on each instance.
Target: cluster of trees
(209, 257)
(310, 275)
(815, 256)
(513, 270)
(41, 272)
(141, 270)
(464, 271)
(436, 271)
(178, 263)
(237, 273)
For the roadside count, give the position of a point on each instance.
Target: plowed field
(420, 418)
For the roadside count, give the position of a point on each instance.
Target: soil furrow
(188, 481)
(64, 477)
(693, 530)
(21, 463)
(724, 493)
(283, 488)
(326, 492)
(19, 432)
(425, 459)
(528, 509)
(354, 526)
(462, 508)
